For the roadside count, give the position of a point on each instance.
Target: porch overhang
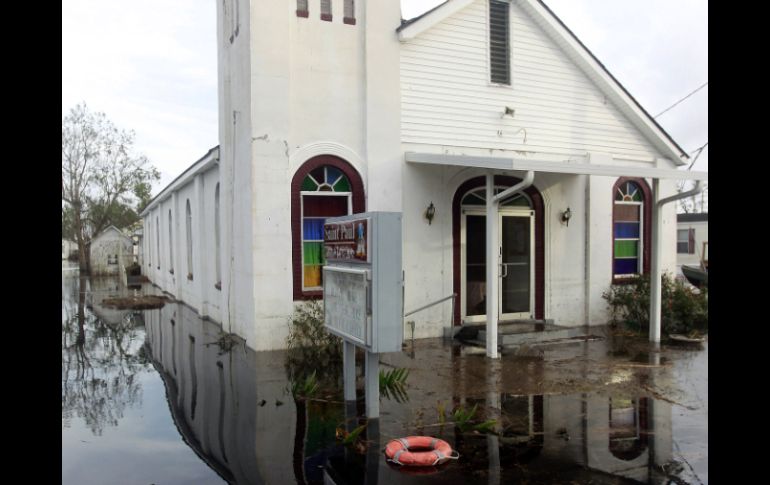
(531, 166)
(572, 168)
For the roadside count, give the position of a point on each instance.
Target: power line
(698, 89)
(699, 150)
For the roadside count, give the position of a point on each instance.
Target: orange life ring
(433, 451)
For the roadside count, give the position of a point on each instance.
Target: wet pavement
(158, 396)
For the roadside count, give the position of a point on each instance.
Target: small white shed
(111, 250)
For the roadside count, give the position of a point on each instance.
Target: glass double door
(515, 256)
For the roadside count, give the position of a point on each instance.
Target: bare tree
(100, 174)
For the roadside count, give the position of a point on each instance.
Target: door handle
(505, 267)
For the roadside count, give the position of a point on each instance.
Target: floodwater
(158, 397)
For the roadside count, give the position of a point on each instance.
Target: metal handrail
(451, 315)
(452, 296)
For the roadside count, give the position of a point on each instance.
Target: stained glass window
(627, 230)
(325, 193)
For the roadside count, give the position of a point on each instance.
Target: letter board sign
(362, 280)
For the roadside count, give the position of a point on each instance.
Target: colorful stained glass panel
(312, 276)
(313, 229)
(626, 249)
(312, 252)
(342, 185)
(626, 266)
(627, 212)
(332, 175)
(309, 185)
(627, 230)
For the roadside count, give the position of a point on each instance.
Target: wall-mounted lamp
(566, 215)
(430, 212)
(508, 112)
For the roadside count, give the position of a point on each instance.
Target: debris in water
(144, 302)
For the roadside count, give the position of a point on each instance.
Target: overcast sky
(151, 66)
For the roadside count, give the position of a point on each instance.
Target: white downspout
(493, 253)
(656, 266)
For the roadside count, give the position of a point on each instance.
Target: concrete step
(525, 332)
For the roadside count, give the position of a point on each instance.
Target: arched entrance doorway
(520, 222)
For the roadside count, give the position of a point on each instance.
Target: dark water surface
(157, 397)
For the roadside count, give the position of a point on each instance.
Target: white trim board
(502, 163)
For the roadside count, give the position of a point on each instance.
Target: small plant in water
(441, 412)
(352, 439)
(306, 388)
(393, 383)
(311, 349)
(462, 419)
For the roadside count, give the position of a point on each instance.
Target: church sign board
(347, 242)
(362, 280)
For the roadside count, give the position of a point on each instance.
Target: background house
(111, 251)
(692, 230)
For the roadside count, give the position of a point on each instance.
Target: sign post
(362, 285)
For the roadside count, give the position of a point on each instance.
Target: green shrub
(311, 349)
(683, 310)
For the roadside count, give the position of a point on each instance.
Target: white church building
(331, 107)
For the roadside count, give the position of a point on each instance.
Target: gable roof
(107, 229)
(203, 164)
(578, 53)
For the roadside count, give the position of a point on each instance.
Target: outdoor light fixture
(566, 215)
(508, 112)
(430, 212)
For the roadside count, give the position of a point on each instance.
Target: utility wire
(699, 150)
(698, 89)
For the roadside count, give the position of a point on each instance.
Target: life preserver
(433, 451)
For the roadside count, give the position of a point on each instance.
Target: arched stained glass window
(324, 186)
(325, 193)
(628, 228)
(628, 192)
(326, 179)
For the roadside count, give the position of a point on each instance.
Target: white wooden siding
(448, 100)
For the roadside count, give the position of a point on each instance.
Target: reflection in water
(234, 409)
(101, 356)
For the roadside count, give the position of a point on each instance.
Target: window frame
(170, 242)
(645, 219)
(303, 194)
(327, 16)
(349, 12)
(157, 238)
(508, 47)
(357, 204)
(686, 241)
(217, 240)
(189, 233)
(303, 12)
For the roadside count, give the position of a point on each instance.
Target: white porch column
(657, 243)
(492, 251)
(655, 264)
